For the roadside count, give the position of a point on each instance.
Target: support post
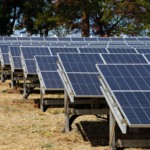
(66, 105)
(112, 123)
(42, 102)
(28, 92)
(24, 86)
(2, 74)
(12, 79)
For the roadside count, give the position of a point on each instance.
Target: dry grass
(25, 127)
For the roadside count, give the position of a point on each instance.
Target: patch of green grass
(4, 90)
(48, 146)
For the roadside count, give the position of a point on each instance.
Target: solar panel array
(130, 86)
(123, 58)
(123, 64)
(27, 57)
(81, 73)
(47, 72)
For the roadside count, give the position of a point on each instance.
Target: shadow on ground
(95, 132)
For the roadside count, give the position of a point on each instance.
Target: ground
(24, 127)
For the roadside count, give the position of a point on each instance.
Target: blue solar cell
(80, 62)
(93, 50)
(51, 39)
(144, 39)
(143, 51)
(52, 80)
(104, 39)
(30, 66)
(130, 87)
(24, 38)
(117, 39)
(63, 39)
(124, 58)
(130, 39)
(136, 106)
(1, 38)
(14, 51)
(54, 51)
(147, 57)
(37, 38)
(10, 38)
(85, 84)
(121, 50)
(4, 48)
(5, 58)
(16, 60)
(129, 77)
(30, 52)
(46, 63)
(90, 39)
(77, 39)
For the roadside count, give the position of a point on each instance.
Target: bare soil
(24, 127)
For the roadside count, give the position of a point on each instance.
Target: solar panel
(143, 51)
(123, 50)
(47, 72)
(16, 62)
(144, 39)
(1, 38)
(63, 39)
(52, 80)
(14, 51)
(84, 84)
(77, 39)
(37, 38)
(51, 39)
(4, 48)
(117, 39)
(5, 59)
(81, 73)
(130, 39)
(90, 39)
(29, 52)
(56, 50)
(104, 39)
(46, 63)
(30, 66)
(10, 38)
(127, 77)
(124, 58)
(93, 50)
(135, 106)
(80, 62)
(130, 88)
(24, 38)
(147, 57)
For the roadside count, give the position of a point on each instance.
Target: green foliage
(10, 11)
(105, 18)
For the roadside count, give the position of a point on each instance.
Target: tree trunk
(85, 20)
(11, 25)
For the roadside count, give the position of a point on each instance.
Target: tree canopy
(96, 17)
